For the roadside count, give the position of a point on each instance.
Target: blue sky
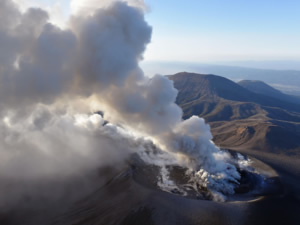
(216, 30)
(221, 30)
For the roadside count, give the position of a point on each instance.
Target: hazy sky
(225, 29)
(217, 30)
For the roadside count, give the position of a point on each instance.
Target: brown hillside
(239, 117)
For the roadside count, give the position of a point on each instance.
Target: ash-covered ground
(133, 195)
(137, 162)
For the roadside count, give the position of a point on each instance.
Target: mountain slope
(238, 116)
(193, 86)
(285, 80)
(260, 87)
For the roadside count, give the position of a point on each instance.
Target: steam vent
(256, 181)
(88, 136)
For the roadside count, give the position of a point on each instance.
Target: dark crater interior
(256, 181)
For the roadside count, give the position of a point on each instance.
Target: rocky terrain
(247, 114)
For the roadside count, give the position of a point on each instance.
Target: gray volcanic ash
(257, 179)
(51, 79)
(54, 150)
(134, 197)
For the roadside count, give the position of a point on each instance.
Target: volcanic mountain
(241, 117)
(261, 87)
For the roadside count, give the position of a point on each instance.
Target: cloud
(58, 10)
(89, 6)
(54, 79)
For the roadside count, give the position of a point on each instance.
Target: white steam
(52, 80)
(88, 6)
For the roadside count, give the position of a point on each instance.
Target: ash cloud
(53, 79)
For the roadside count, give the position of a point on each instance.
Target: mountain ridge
(261, 87)
(239, 117)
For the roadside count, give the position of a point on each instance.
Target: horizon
(277, 65)
(87, 124)
(248, 34)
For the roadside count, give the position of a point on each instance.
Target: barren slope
(238, 116)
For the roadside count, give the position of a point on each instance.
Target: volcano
(140, 159)
(133, 197)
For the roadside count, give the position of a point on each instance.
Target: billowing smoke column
(52, 80)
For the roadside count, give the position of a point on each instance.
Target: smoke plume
(53, 80)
